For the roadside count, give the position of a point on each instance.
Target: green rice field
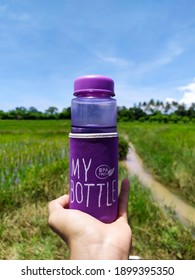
(34, 169)
(168, 150)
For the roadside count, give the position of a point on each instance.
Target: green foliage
(185, 119)
(39, 150)
(157, 112)
(123, 148)
(22, 113)
(154, 111)
(174, 118)
(168, 150)
(156, 235)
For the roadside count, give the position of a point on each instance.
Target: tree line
(22, 113)
(158, 111)
(143, 111)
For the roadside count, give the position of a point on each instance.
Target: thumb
(123, 199)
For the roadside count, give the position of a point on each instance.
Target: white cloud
(167, 55)
(188, 93)
(172, 50)
(120, 62)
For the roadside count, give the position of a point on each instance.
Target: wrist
(102, 251)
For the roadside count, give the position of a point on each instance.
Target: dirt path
(161, 194)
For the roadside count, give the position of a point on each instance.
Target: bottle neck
(93, 94)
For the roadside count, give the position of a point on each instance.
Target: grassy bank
(168, 151)
(34, 170)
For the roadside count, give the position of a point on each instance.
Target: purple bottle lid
(94, 83)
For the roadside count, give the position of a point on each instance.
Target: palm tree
(167, 107)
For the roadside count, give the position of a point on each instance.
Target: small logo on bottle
(103, 171)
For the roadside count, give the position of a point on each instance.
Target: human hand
(89, 238)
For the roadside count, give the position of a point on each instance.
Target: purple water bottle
(94, 148)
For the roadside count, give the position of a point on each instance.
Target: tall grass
(18, 158)
(34, 170)
(169, 152)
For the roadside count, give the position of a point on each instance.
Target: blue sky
(146, 46)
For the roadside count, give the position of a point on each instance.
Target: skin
(87, 237)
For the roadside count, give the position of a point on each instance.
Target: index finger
(59, 203)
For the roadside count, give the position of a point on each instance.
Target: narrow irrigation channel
(161, 194)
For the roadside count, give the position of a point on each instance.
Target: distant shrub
(174, 118)
(123, 147)
(165, 119)
(193, 120)
(142, 119)
(186, 119)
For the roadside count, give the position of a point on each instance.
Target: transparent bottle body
(93, 114)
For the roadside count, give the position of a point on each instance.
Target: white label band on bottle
(93, 135)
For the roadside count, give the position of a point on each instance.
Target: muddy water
(161, 194)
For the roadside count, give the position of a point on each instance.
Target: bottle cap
(94, 83)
